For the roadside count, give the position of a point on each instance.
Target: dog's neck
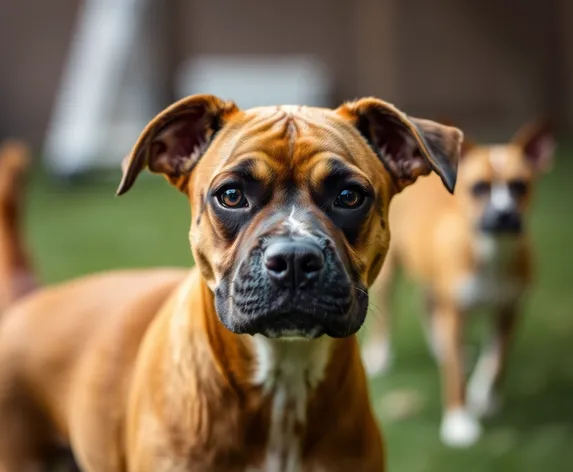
(288, 372)
(495, 253)
(498, 273)
(270, 395)
(284, 360)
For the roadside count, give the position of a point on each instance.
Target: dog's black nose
(508, 221)
(293, 264)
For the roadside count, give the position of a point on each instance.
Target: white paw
(459, 429)
(377, 357)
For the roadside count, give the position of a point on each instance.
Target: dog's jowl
(248, 362)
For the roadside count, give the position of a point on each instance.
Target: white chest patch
(288, 370)
(491, 285)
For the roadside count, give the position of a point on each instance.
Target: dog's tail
(16, 272)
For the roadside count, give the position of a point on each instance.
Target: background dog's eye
(232, 198)
(518, 187)
(481, 188)
(349, 198)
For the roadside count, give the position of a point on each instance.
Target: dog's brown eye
(349, 198)
(481, 188)
(518, 187)
(232, 198)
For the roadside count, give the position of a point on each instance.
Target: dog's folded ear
(537, 141)
(408, 147)
(172, 143)
(467, 143)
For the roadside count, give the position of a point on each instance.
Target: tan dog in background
(248, 362)
(470, 250)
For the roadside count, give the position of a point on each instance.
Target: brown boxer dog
(249, 361)
(470, 250)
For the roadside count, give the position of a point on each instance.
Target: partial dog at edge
(248, 361)
(470, 250)
(16, 271)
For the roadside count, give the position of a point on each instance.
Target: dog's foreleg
(430, 327)
(483, 387)
(377, 350)
(459, 428)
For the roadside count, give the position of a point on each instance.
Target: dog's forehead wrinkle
(243, 136)
(290, 136)
(316, 127)
(292, 133)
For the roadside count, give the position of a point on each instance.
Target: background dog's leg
(483, 387)
(377, 349)
(459, 427)
(430, 327)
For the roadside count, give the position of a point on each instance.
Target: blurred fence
(487, 65)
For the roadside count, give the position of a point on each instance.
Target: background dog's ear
(408, 147)
(172, 143)
(538, 143)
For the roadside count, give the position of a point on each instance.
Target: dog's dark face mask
(290, 204)
(292, 271)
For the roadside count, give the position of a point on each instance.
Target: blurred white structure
(257, 80)
(82, 128)
(109, 85)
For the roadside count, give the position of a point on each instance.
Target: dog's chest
(481, 290)
(492, 284)
(287, 371)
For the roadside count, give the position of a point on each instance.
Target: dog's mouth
(297, 318)
(325, 301)
(501, 224)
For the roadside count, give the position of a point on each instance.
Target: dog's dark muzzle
(501, 222)
(295, 286)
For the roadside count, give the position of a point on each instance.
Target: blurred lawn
(85, 228)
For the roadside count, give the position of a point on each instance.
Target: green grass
(85, 228)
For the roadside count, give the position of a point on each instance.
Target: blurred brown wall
(34, 38)
(486, 64)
